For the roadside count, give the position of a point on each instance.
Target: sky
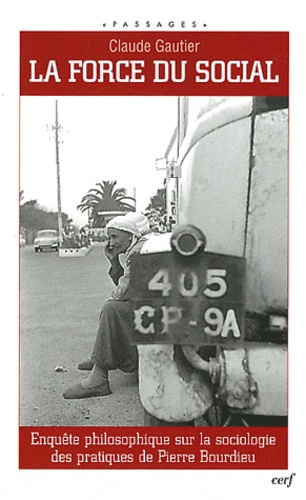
(101, 138)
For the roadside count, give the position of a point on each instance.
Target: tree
(33, 218)
(158, 201)
(156, 211)
(105, 198)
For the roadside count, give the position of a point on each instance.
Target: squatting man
(112, 350)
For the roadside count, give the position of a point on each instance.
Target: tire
(220, 416)
(216, 416)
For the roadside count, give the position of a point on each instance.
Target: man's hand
(111, 253)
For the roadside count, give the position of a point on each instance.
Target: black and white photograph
(153, 261)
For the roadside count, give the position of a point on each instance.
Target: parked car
(22, 241)
(46, 239)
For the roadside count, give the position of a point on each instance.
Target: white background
(86, 485)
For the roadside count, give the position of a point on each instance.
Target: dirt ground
(60, 302)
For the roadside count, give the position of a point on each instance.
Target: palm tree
(105, 198)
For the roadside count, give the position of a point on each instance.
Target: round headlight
(188, 240)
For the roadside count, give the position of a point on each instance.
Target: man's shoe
(86, 365)
(79, 392)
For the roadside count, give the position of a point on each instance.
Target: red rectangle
(235, 63)
(153, 448)
(154, 63)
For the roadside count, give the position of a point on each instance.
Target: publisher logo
(284, 480)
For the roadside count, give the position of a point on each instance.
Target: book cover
(191, 126)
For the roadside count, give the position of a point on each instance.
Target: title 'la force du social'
(133, 71)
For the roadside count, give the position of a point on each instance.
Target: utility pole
(56, 128)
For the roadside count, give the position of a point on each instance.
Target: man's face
(118, 241)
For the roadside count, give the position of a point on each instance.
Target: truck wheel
(150, 421)
(216, 416)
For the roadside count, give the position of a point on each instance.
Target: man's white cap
(140, 221)
(132, 222)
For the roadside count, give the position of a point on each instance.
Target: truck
(210, 298)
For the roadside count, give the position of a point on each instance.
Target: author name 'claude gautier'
(183, 46)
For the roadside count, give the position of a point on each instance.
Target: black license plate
(187, 300)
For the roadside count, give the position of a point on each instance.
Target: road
(60, 303)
